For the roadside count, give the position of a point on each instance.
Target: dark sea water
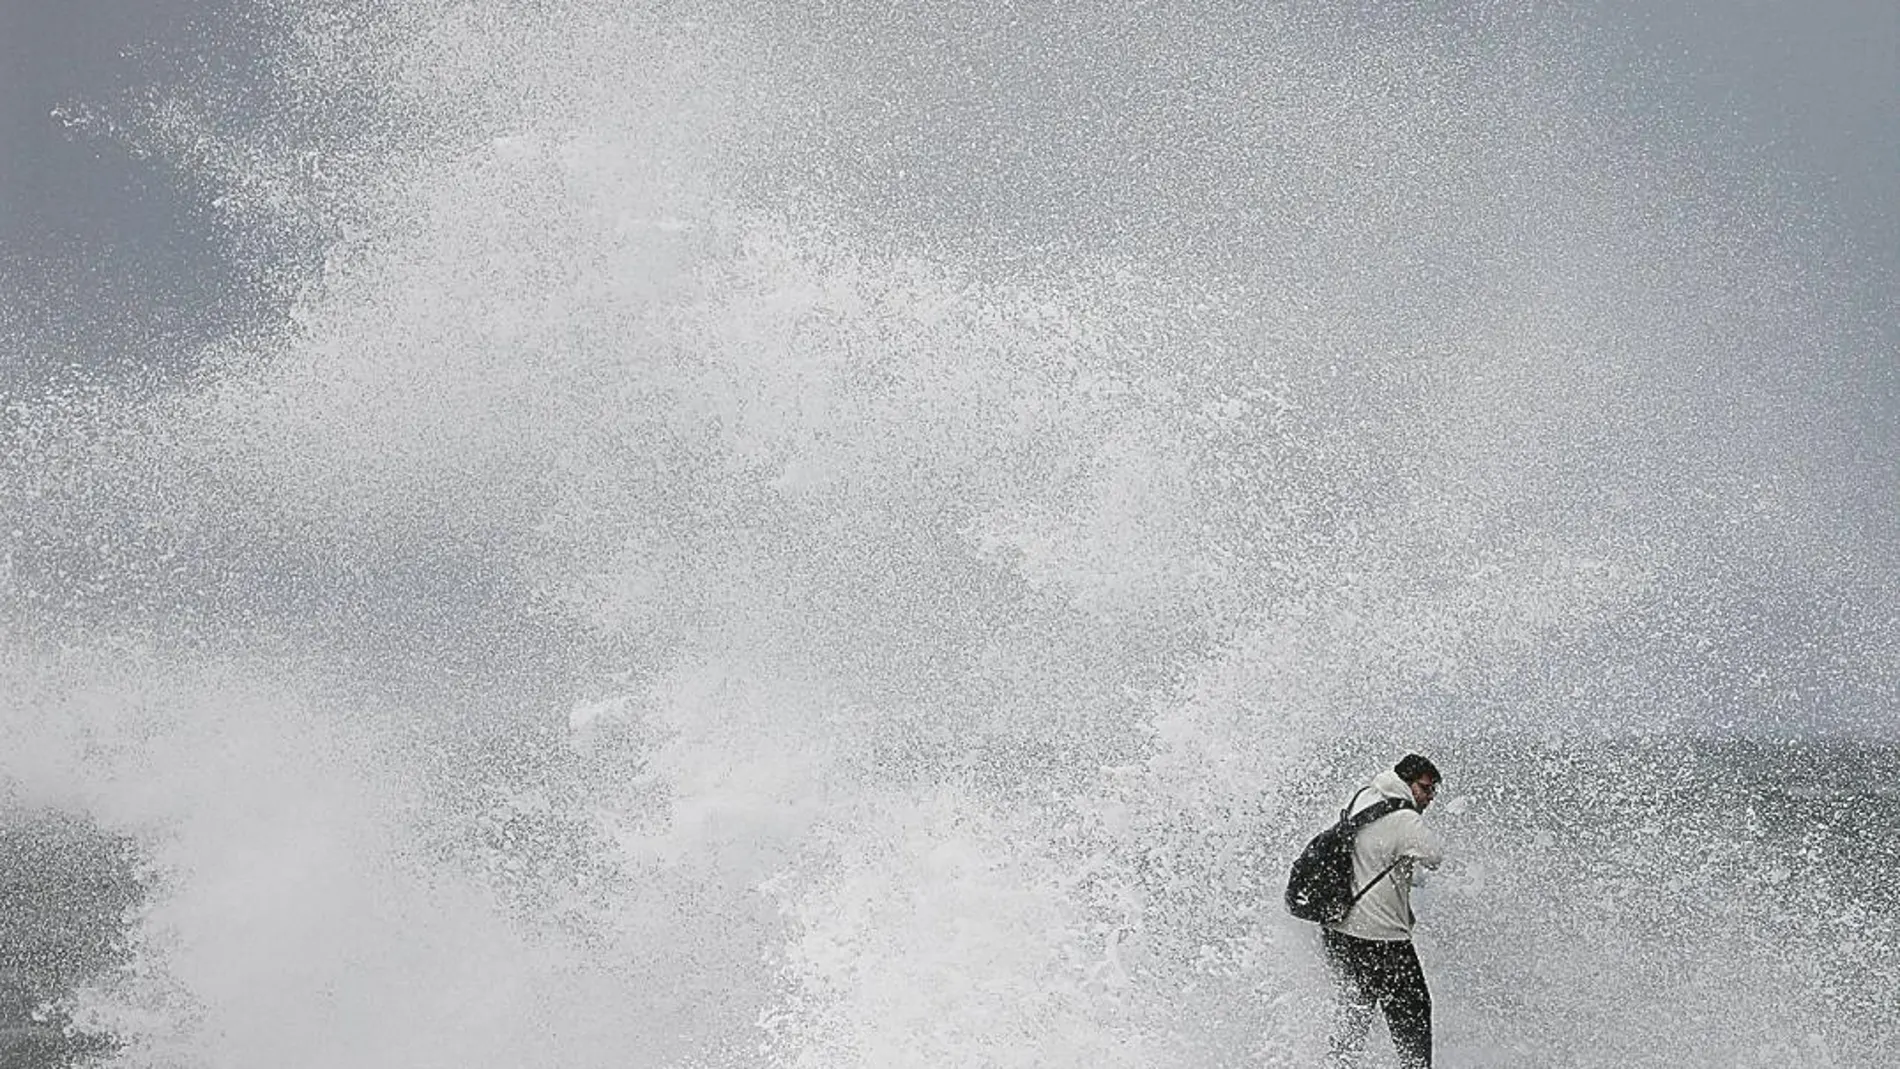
(68, 889)
(1651, 901)
(1671, 901)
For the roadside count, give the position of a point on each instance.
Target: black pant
(1371, 972)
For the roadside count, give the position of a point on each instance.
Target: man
(1370, 952)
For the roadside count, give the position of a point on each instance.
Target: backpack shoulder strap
(1380, 808)
(1383, 807)
(1345, 815)
(1370, 884)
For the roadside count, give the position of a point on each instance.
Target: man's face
(1424, 789)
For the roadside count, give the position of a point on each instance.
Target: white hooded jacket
(1384, 913)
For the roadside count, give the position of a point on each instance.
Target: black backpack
(1320, 886)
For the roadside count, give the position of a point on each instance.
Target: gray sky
(109, 269)
(110, 266)
(1815, 85)
(105, 254)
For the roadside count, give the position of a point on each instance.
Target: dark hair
(1412, 767)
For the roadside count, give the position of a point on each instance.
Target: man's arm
(1419, 842)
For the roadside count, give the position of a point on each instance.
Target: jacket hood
(1389, 784)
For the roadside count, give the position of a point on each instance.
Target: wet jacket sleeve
(1420, 842)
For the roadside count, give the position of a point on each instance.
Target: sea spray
(869, 540)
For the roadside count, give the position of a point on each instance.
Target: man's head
(1421, 775)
